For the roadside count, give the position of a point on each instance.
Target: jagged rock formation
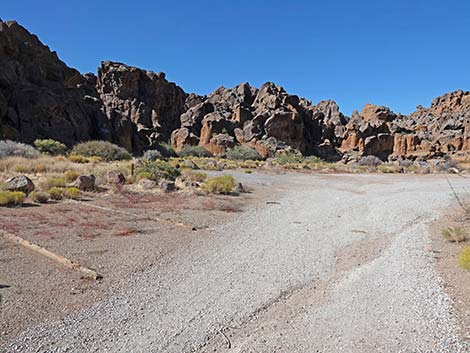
(40, 97)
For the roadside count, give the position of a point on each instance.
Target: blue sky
(396, 53)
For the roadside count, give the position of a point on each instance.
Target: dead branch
(457, 196)
(49, 254)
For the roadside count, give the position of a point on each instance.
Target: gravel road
(336, 263)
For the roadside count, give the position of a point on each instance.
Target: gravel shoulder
(335, 263)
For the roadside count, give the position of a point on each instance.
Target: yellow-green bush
(49, 146)
(39, 196)
(71, 175)
(219, 185)
(77, 158)
(11, 198)
(56, 193)
(143, 175)
(72, 193)
(464, 258)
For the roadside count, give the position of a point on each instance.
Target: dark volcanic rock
(142, 107)
(40, 97)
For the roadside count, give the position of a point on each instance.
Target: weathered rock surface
(40, 97)
(19, 183)
(85, 182)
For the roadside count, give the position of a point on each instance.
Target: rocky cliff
(41, 97)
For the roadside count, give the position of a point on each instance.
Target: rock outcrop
(41, 97)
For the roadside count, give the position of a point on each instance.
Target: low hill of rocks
(41, 97)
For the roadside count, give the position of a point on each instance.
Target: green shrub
(166, 149)
(158, 170)
(248, 171)
(454, 234)
(313, 160)
(71, 175)
(464, 258)
(56, 193)
(72, 193)
(143, 175)
(15, 149)
(194, 151)
(219, 185)
(103, 149)
(39, 196)
(283, 158)
(243, 153)
(50, 146)
(12, 198)
(52, 182)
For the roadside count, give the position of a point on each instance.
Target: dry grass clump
(388, 168)
(464, 258)
(52, 182)
(194, 176)
(39, 196)
(43, 164)
(12, 198)
(454, 234)
(71, 175)
(219, 185)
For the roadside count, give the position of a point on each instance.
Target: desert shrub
(166, 149)
(158, 170)
(370, 160)
(50, 146)
(248, 171)
(454, 234)
(71, 175)
(39, 196)
(53, 182)
(284, 158)
(72, 193)
(194, 176)
(152, 155)
(15, 149)
(194, 151)
(219, 185)
(103, 149)
(143, 175)
(243, 153)
(11, 198)
(56, 193)
(464, 258)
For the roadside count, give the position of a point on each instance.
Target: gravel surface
(336, 263)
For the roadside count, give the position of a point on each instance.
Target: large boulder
(183, 137)
(19, 183)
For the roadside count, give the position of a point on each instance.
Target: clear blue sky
(398, 53)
